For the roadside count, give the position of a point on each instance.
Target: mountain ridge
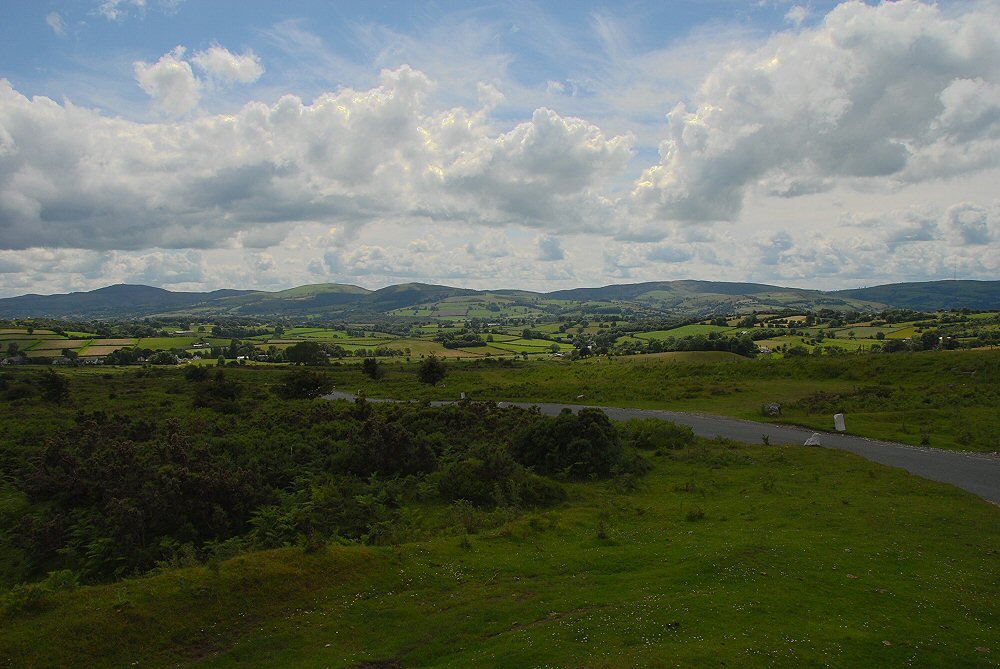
(680, 297)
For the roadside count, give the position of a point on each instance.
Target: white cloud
(669, 253)
(116, 10)
(225, 67)
(494, 244)
(893, 93)
(174, 87)
(970, 222)
(444, 167)
(549, 248)
(774, 249)
(796, 15)
(74, 178)
(171, 83)
(162, 268)
(55, 21)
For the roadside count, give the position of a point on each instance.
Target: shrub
(650, 434)
(304, 384)
(575, 445)
(491, 477)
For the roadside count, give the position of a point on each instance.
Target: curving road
(979, 473)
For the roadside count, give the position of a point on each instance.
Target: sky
(204, 144)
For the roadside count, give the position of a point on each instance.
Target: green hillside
(683, 299)
(932, 295)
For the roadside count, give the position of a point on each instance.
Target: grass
(744, 556)
(683, 331)
(60, 344)
(945, 399)
(95, 350)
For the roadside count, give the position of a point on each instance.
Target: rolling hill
(330, 300)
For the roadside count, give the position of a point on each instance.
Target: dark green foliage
(576, 445)
(372, 369)
(100, 494)
(490, 476)
(331, 506)
(650, 434)
(107, 506)
(306, 353)
(55, 387)
(196, 373)
(388, 449)
(162, 358)
(461, 339)
(219, 394)
(304, 385)
(431, 370)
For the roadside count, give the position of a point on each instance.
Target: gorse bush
(650, 434)
(115, 493)
(575, 445)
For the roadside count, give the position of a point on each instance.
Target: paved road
(978, 473)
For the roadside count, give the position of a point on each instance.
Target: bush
(651, 434)
(575, 445)
(304, 385)
(491, 477)
(23, 598)
(432, 370)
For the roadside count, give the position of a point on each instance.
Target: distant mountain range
(331, 300)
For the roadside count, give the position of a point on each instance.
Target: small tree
(304, 384)
(307, 353)
(372, 369)
(55, 387)
(432, 370)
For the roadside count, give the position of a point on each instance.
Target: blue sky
(194, 145)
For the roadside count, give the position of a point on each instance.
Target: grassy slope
(803, 557)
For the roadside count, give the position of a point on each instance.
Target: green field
(59, 344)
(684, 331)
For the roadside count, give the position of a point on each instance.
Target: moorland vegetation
(177, 491)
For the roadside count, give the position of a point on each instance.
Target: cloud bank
(860, 146)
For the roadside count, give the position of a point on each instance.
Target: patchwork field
(59, 344)
(95, 351)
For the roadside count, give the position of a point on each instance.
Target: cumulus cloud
(55, 21)
(895, 93)
(970, 223)
(494, 244)
(669, 253)
(163, 268)
(549, 248)
(226, 67)
(71, 177)
(170, 82)
(543, 173)
(116, 10)
(796, 15)
(173, 85)
(774, 249)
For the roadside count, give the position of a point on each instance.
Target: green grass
(743, 556)
(315, 333)
(59, 344)
(683, 331)
(945, 399)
